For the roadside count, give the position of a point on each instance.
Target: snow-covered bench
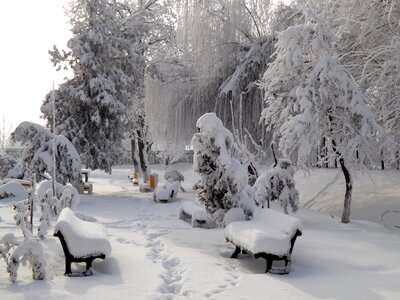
(168, 192)
(81, 241)
(270, 235)
(195, 215)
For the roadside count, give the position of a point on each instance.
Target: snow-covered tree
(37, 156)
(223, 178)
(215, 40)
(278, 184)
(294, 59)
(325, 104)
(92, 107)
(367, 39)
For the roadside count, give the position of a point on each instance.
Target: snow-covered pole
(54, 144)
(31, 201)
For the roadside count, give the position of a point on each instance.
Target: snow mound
(83, 238)
(14, 191)
(269, 232)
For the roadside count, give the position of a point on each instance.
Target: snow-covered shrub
(278, 185)
(7, 163)
(29, 251)
(37, 156)
(21, 209)
(51, 206)
(174, 175)
(7, 242)
(69, 197)
(45, 209)
(223, 178)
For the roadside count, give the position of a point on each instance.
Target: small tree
(223, 178)
(37, 156)
(278, 185)
(327, 109)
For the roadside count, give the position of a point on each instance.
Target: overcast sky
(28, 28)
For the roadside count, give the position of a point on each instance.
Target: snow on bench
(168, 192)
(270, 235)
(82, 241)
(194, 214)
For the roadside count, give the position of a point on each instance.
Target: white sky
(28, 28)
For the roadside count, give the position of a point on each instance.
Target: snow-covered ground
(157, 256)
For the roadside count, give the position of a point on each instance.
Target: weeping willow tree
(223, 50)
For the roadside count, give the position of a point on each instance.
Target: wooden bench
(81, 241)
(270, 235)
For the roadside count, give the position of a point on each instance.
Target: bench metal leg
(236, 252)
(67, 266)
(269, 264)
(89, 264)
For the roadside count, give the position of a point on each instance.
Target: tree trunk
(349, 185)
(349, 189)
(274, 155)
(142, 157)
(139, 156)
(135, 161)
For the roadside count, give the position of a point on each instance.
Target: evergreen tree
(92, 108)
(223, 178)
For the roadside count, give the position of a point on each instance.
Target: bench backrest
(280, 221)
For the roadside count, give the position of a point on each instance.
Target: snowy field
(157, 256)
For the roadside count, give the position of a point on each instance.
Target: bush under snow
(278, 185)
(223, 178)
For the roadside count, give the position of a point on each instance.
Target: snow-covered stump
(81, 241)
(270, 235)
(195, 215)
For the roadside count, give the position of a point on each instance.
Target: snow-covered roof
(83, 238)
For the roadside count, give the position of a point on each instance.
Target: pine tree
(92, 107)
